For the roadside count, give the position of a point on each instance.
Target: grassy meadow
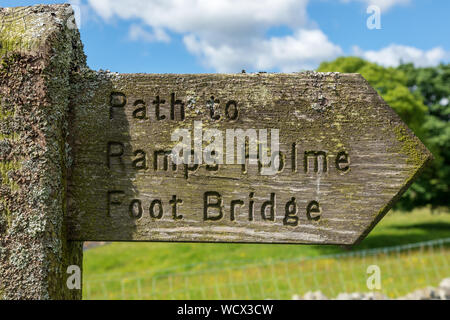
(252, 271)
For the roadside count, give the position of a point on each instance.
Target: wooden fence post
(40, 52)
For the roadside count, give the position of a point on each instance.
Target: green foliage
(434, 85)
(420, 97)
(391, 83)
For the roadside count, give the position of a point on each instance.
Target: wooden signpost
(89, 156)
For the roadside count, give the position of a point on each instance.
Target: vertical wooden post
(40, 52)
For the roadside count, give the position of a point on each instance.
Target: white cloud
(223, 17)
(137, 32)
(384, 5)
(229, 35)
(303, 50)
(395, 54)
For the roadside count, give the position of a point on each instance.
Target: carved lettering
(117, 100)
(231, 110)
(140, 162)
(112, 200)
(160, 213)
(140, 111)
(115, 150)
(157, 103)
(135, 209)
(174, 103)
(216, 205)
(317, 155)
(174, 203)
(291, 218)
(313, 211)
(343, 161)
(271, 204)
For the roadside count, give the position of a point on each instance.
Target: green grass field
(181, 270)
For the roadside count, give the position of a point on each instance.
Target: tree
(433, 84)
(420, 97)
(391, 84)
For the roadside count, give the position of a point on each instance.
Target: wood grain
(331, 114)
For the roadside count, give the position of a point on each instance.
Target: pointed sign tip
(418, 158)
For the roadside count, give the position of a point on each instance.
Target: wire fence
(403, 269)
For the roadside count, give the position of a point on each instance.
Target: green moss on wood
(411, 147)
(24, 30)
(5, 168)
(5, 212)
(5, 114)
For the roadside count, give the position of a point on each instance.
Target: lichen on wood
(39, 55)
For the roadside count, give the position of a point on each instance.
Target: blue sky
(199, 36)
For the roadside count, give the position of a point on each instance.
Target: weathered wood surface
(38, 56)
(335, 115)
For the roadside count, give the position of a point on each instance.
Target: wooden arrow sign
(344, 157)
